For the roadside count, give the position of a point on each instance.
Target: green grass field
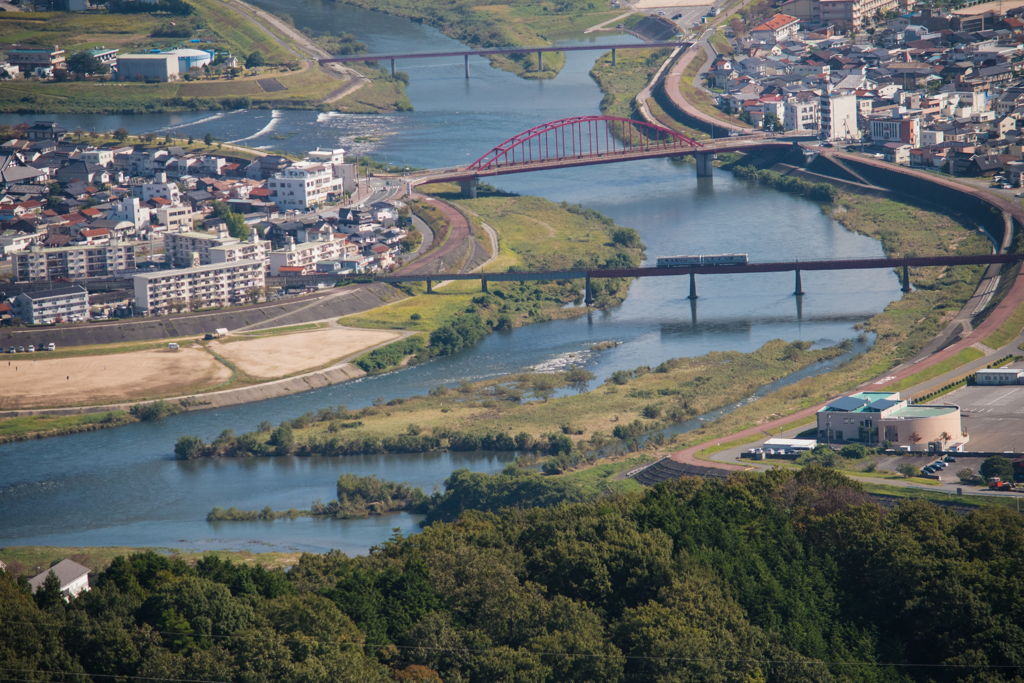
(26, 560)
(1008, 331)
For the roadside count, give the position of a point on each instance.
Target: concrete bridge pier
(799, 291)
(540, 61)
(392, 67)
(430, 287)
(693, 287)
(467, 67)
(704, 164)
(613, 57)
(483, 285)
(588, 293)
(906, 278)
(469, 188)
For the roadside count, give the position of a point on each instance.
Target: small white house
(73, 577)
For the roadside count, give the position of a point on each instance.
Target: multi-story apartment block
(838, 117)
(308, 254)
(801, 114)
(217, 284)
(174, 218)
(303, 185)
(905, 130)
(66, 304)
(31, 58)
(42, 264)
(853, 13)
(188, 249)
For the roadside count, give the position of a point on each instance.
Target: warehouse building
(158, 67)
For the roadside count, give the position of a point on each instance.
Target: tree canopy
(782, 577)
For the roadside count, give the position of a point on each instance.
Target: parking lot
(684, 13)
(993, 416)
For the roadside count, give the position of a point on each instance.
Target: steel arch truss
(582, 137)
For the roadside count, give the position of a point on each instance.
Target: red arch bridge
(693, 271)
(585, 141)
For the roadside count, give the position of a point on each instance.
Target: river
(121, 487)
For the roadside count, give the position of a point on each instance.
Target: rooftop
(65, 570)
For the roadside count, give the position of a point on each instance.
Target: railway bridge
(692, 271)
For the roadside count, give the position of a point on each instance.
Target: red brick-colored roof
(776, 22)
(96, 232)
(90, 212)
(291, 269)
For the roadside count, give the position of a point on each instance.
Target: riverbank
(291, 79)
(502, 24)
(25, 560)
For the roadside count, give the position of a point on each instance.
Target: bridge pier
(704, 164)
(588, 293)
(483, 284)
(799, 291)
(906, 278)
(392, 68)
(467, 67)
(469, 188)
(613, 56)
(430, 287)
(540, 61)
(693, 287)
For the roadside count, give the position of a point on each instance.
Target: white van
(173, 346)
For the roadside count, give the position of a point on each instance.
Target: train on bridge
(702, 260)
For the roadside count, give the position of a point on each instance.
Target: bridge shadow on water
(695, 326)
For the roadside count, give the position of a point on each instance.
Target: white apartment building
(217, 284)
(253, 250)
(67, 304)
(303, 185)
(100, 157)
(308, 254)
(176, 218)
(837, 117)
(129, 209)
(161, 188)
(189, 248)
(39, 264)
(801, 114)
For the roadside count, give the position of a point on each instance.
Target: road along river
(122, 487)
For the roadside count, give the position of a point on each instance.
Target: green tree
(49, 594)
(997, 466)
(121, 134)
(189, 448)
(908, 470)
(85, 63)
(627, 237)
(255, 59)
(208, 139)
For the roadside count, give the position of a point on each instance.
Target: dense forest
(788, 577)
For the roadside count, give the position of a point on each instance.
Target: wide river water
(122, 487)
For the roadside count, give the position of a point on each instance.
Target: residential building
(73, 577)
(777, 29)
(906, 130)
(99, 157)
(254, 249)
(13, 240)
(188, 249)
(66, 304)
(173, 218)
(303, 185)
(45, 130)
(838, 117)
(106, 55)
(29, 59)
(130, 209)
(44, 264)
(217, 284)
(897, 153)
(852, 14)
(161, 188)
(310, 253)
(802, 113)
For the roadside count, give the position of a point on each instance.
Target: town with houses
(161, 217)
(928, 88)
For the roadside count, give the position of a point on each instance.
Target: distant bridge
(466, 54)
(692, 271)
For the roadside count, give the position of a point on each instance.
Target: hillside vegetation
(774, 578)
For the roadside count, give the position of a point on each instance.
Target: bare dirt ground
(286, 354)
(655, 4)
(87, 380)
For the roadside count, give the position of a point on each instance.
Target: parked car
(31, 349)
(21, 349)
(950, 458)
(12, 350)
(51, 347)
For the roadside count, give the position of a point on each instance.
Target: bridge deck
(502, 51)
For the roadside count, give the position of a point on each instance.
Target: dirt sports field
(287, 354)
(111, 378)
